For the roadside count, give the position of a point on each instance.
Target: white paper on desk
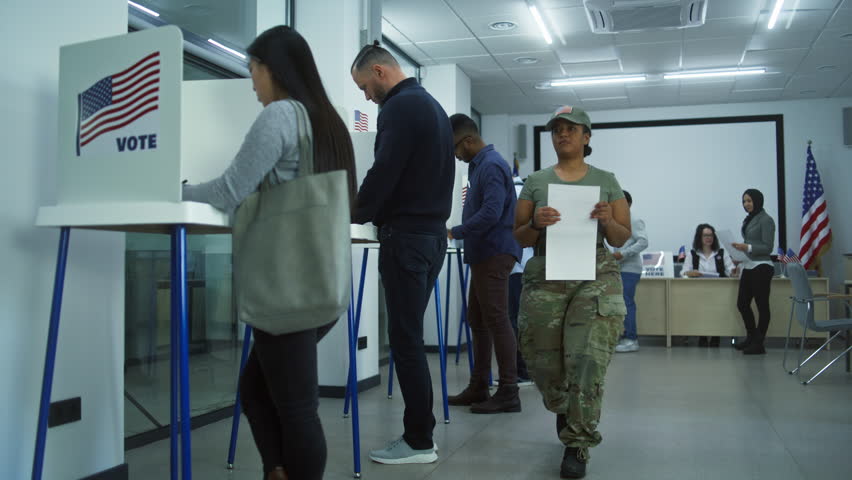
(727, 238)
(571, 242)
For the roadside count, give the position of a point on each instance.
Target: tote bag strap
(306, 145)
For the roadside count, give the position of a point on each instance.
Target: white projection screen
(685, 172)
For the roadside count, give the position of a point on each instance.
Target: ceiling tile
(504, 44)
(761, 82)
(775, 60)
(704, 93)
(604, 103)
(424, 20)
(733, 8)
(815, 4)
(723, 27)
(476, 62)
(652, 36)
(535, 74)
(828, 81)
(479, 23)
(845, 90)
(476, 75)
(452, 48)
(842, 19)
(587, 69)
(473, 8)
(833, 38)
(545, 59)
(713, 52)
(756, 95)
(779, 39)
(600, 91)
(820, 60)
(570, 21)
(592, 48)
(560, 3)
(395, 36)
(657, 57)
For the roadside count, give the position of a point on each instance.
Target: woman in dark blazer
(758, 242)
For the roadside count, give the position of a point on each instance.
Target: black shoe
(505, 399)
(714, 342)
(574, 462)
(742, 344)
(470, 395)
(702, 341)
(754, 348)
(561, 422)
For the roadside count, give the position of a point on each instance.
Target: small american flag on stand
(362, 121)
(782, 257)
(815, 237)
(791, 256)
(681, 253)
(118, 100)
(464, 194)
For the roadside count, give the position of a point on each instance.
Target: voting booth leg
(50, 353)
(235, 423)
(390, 374)
(441, 352)
(447, 307)
(357, 323)
(353, 389)
(180, 349)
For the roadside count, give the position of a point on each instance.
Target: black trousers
(409, 263)
(754, 285)
(280, 395)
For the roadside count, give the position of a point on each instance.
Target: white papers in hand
(571, 242)
(727, 238)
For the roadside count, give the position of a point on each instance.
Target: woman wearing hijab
(758, 242)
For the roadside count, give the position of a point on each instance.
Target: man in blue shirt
(491, 250)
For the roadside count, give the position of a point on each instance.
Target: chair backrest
(802, 294)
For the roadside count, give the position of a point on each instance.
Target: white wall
(817, 120)
(90, 357)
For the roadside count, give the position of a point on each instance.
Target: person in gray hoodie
(629, 257)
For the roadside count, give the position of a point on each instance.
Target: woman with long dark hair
(756, 279)
(279, 385)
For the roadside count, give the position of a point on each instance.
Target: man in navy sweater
(491, 250)
(407, 194)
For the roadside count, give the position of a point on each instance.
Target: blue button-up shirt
(489, 209)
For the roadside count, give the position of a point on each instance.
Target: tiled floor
(682, 413)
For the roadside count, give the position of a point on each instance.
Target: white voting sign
(119, 118)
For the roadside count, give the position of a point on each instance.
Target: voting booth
(130, 131)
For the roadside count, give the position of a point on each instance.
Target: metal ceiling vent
(613, 16)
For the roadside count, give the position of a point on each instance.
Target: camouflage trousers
(568, 332)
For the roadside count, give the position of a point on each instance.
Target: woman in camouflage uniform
(569, 329)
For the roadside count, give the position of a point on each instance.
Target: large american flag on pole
(118, 100)
(816, 230)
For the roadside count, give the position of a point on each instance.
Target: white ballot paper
(571, 253)
(727, 238)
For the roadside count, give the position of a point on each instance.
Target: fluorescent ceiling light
(775, 11)
(598, 80)
(540, 22)
(713, 73)
(227, 49)
(144, 9)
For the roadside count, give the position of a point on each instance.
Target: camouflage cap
(572, 114)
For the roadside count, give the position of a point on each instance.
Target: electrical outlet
(362, 343)
(64, 411)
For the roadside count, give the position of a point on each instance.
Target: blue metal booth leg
(180, 352)
(50, 353)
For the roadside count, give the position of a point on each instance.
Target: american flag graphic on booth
(117, 101)
(815, 238)
(362, 121)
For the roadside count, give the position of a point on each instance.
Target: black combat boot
(742, 344)
(470, 395)
(574, 462)
(756, 346)
(505, 399)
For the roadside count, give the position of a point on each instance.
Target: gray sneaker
(627, 345)
(398, 452)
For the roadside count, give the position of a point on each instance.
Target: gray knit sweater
(271, 145)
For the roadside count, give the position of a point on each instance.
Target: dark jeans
(280, 396)
(515, 287)
(755, 284)
(409, 263)
(489, 320)
(629, 281)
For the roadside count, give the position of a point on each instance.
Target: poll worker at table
(707, 258)
(569, 329)
(279, 385)
(491, 251)
(629, 258)
(756, 278)
(407, 193)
